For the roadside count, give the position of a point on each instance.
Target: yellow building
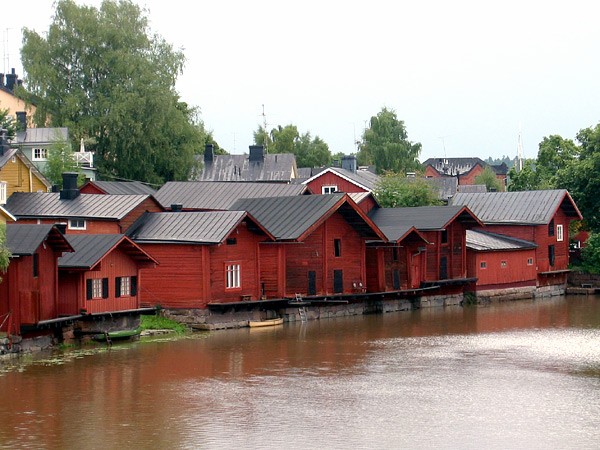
(18, 174)
(9, 101)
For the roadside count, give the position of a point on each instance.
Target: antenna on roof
(265, 128)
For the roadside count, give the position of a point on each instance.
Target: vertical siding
(270, 255)
(516, 271)
(148, 205)
(302, 258)
(177, 281)
(331, 179)
(115, 264)
(69, 293)
(244, 253)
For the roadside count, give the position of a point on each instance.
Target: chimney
(349, 163)
(1, 80)
(22, 120)
(11, 80)
(177, 207)
(3, 142)
(257, 153)
(62, 227)
(209, 154)
(69, 190)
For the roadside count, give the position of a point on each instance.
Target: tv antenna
(264, 116)
(519, 151)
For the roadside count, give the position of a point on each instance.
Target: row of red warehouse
(111, 248)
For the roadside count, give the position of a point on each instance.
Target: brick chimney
(11, 80)
(209, 154)
(257, 153)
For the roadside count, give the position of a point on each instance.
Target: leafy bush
(590, 254)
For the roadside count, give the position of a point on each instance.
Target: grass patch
(161, 323)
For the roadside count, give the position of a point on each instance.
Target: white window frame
(42, 154)
(77, 225)
(3, 185)
(530, 261)
(125, 286)
(329, 189)
(483, 265)
(503, 264)
(96, 287)
(559, 233)
(232, 276)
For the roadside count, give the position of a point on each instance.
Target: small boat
(265, 323)
(110, 336)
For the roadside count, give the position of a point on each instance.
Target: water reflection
(522, 374)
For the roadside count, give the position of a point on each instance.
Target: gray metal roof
(484, 241)
(395, 221)
(470, 188)
(525, 207)
(196, 227)
(89, 249)
(289, 218)
(24, 239)
(274, 167)
(123, 187)
(85, 206)
(215, 195)
(33, 136)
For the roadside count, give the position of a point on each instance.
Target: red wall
(516, 272)
(454, 251)
(190, 276)
(115, 264)
(331, 179)
(92, 226)
(91, 189)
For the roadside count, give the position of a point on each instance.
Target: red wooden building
(465, 169)
(320, 244)
(29, 288)
(116, 188)
(443, 261)
(82, 213)
(337, 179)
(102, 275)
(203, 257)
(540, 217)
(500, 262)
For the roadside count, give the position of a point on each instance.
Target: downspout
(30, 181)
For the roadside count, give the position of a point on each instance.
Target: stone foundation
(503, 295)
(16, 344)
(550, 291)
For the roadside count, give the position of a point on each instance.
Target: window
(328, 189)
(122, 286)
(444, 236)
(530, 261)
(559, 233)
(3, 192)
(231, 241)
(36, 264)
(40, 154)
(551, 228)
(233, 276)
(483, 265)
(551, 255)
(394, 253)
(503, 264)
(337, 247)
(96, 288)
(76, 224)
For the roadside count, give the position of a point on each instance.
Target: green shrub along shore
(161, 323)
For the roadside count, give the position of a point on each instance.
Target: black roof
(84, 206)
(191, 227)
(290, 218)
(220, 195)
(123, 187)
(91, 248)
(25, 239)
(485, 241)
(395, 221)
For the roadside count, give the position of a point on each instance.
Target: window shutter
(118, 287)
(104, 287)
(88, 289)
(133, 286)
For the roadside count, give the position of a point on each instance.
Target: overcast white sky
(464, 76)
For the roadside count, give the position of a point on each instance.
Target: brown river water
(512, 375)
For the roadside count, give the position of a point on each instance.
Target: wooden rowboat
(116, 335)
(265, 323)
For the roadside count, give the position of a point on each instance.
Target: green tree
(524, 180)
(394, 191)
(309, 151)
(60, 159)
(101, 73)
(488, 177)
(554, 155)
(385, 144)
(4, 251)
(581, 177)
(8, 124)
(590, 254)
